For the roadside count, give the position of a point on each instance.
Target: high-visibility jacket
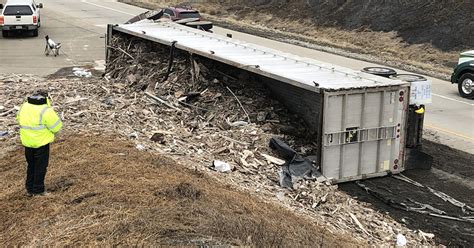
(38, 124)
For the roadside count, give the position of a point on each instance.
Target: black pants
(37, 159)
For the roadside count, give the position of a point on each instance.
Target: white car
(20, 15)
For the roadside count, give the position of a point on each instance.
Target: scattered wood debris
(199, 114)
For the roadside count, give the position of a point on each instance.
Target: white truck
(20, 16)
(463, 74)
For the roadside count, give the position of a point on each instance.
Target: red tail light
(35, 19)
(2, 20)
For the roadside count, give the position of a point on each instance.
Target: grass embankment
(106, 192)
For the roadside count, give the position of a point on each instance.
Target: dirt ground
(459, 166)
(106, 192)
(415, 36)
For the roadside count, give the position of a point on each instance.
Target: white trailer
(359, 119)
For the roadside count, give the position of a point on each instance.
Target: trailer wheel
(466, 85)
(409, 77)
(380, 71)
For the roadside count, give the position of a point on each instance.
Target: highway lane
(80, 26)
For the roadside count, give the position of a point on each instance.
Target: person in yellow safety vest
(38, 124)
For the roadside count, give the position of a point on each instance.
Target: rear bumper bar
(19, 27)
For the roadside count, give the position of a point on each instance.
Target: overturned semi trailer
(359, 120)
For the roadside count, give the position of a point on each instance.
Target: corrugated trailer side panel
(307, 104)
(363, 133)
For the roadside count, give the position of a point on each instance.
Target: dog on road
(51, 47)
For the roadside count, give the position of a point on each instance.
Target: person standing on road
(38, 124)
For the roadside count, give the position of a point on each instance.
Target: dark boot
(38, 159)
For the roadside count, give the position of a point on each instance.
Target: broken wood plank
(158, 99)
(273, 160)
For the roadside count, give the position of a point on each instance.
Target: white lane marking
(452, 99)
(105, 7)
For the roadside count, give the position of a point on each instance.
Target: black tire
(204, 25)
(154, 14)
(380, 71)
(35, 33)
(466, 85)
(4, 33)
(409, 77)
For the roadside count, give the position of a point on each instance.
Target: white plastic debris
(81, 72)
(141, 147)
(221, 166)
(401, 240)
(426, 235)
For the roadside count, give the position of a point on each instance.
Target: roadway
(81, 26)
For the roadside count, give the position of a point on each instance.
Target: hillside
(423, 36)
(94, 203)
(445, 24)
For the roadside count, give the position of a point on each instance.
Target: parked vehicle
(187, 16)
(463, 74)
(20, 15)
(179, 13)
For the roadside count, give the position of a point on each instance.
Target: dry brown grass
(106, 192)
(381, 47)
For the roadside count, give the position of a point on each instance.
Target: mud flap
(414, 127)
(418, 160)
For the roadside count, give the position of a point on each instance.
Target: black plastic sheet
(296, 167)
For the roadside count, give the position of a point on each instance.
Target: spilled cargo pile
(204, 115)
(210, 112)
